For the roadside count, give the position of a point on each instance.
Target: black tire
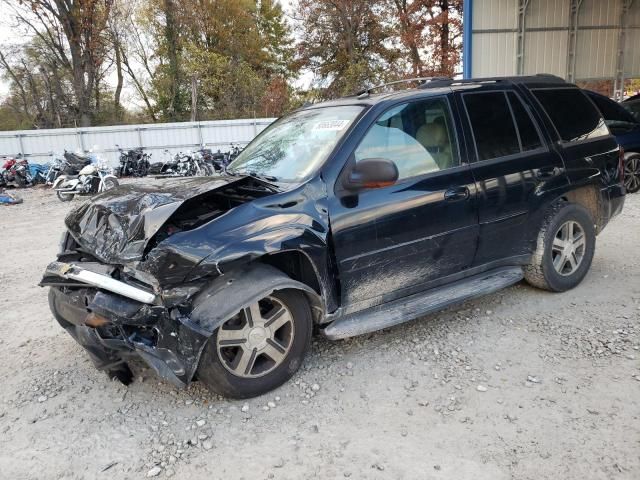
(65, 197)
(541, 272)
(213, 373)
(632, 172)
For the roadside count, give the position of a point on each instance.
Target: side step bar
(417, 305)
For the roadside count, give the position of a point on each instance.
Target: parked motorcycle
(133, 163)
(167, 167)
(70, 164)
(15, 173)
(91, 179)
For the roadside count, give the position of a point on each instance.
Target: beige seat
(433, 136)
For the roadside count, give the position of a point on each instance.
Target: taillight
(621, 165)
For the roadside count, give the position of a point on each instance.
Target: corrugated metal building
(574, 39)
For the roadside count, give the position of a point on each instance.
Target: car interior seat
(433, 137)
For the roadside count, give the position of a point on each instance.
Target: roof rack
(423, 81)
(537, 78)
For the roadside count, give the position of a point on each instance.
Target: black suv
(350, 216)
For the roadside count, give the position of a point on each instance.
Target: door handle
(456, 193)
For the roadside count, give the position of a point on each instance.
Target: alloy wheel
(567, 250)
(632, 174)
(257, 340)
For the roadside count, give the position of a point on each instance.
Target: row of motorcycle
(85, 174)
(73, 174)
(203, 162)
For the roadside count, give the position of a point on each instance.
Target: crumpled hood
(116, 225)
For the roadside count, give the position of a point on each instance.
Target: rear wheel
(260, 348)
(565, 247)
(632, 172)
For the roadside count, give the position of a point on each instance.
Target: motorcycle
(90, 180)
(70, 164)
(133, 163)
(198, 165)
(15, 173)
(168, 167)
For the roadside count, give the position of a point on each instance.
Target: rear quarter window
(572, 113)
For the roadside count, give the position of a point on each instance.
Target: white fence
(38, 146)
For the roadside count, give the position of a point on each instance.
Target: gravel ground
(522, 384)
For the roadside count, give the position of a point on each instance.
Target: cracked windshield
(295, 146)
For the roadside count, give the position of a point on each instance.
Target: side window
(529, 137)
(492, 124)
(634, 108)
(418, 137)
(573, 115)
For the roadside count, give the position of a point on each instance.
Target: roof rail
(423, 80)
(537, 78)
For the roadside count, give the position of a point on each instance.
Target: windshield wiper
(268, 178)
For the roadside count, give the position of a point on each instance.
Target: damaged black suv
(347, 217)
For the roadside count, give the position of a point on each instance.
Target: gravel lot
(522, 384)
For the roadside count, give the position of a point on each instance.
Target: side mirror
(371, 173)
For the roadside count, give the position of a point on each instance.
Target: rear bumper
(127, 328)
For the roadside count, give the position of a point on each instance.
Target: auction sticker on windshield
(332, 125)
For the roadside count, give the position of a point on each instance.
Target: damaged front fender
(229, 294)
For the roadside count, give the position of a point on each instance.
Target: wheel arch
(229, 293)
(589, 197)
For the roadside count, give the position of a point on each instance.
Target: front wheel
(109, 183)
(65, 197)
(565, 247)
(632, 172)
(259, 348)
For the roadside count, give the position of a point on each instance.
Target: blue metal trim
(467, 27)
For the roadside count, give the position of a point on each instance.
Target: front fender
(59, 181)
(230, 293)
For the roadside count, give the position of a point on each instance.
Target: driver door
(397, 240)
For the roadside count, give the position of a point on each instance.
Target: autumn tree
(431, 33)
(73, 32)
(347, 44)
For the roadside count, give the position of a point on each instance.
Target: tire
(632, 172)
(65, 197)
(219, 356)
(557, 268)
(110, 183)
(207, 170)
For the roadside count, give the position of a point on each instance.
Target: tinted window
(418, 137)
(573, 115)
(528, 134)
(611, 110)
(633, 107)
(492, 124)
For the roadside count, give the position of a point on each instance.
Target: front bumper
(113, 329)
(84, 276)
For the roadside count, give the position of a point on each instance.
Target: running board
(419, 304)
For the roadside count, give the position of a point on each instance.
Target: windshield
(295, 146)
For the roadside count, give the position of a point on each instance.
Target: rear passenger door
(514, 168)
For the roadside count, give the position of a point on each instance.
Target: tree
(73, 33)
(224, 54)
(347, 44)
(431, 33)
